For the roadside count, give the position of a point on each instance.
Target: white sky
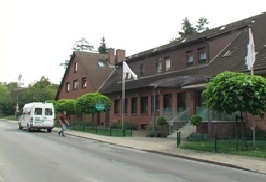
(37, 35)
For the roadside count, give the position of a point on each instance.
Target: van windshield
(38, 111)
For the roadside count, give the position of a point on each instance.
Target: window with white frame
(202, 54)
(67, 87)
(75, 84)
(84, 82)
(167, 64)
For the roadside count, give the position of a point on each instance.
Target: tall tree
(41, 91)
(102, 48)
(187, 28)
(232, 92)
(5, 101)
(202, 23)
(86, 103)
(67, 105)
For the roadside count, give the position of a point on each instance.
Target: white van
(36, 116)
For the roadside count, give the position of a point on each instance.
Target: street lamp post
(154, 107)
(17, 109)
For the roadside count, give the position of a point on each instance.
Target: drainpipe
(208, 48)
(154, 107)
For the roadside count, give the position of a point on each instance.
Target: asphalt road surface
(46, 157)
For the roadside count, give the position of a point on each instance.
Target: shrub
(160, 120)
(195, 120)
(127, 126)
(156, 134)
(197, 137)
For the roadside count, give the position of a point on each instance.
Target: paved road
(41, 156)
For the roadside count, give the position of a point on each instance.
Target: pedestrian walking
(63, 122)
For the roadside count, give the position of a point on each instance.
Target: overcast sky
(37, 35)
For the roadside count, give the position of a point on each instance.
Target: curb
(167, 153)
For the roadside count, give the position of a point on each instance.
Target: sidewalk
(167, 146)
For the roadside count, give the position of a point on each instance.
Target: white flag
(251, 51)
(127, 70)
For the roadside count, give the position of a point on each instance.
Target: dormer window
(201, 55)
(167, 64)
(189, 57)
(101, 64)
(158, 67)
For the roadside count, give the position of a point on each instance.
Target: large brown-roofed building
(172, 76)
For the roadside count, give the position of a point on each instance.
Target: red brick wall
(70, 77)
(221, 129)
(139, 118)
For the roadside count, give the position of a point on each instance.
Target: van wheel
(28, 128)
(49, 130)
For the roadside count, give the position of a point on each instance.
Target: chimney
(120, 55)
(111, 56)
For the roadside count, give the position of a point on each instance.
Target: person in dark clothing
(63, 122)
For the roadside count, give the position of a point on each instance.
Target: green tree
(102, 48)
(6, 107)
(67, 105)
(11, 85)
(202, 23)
(41, 91)
(187, 29)
(232, 92)
(86, 103)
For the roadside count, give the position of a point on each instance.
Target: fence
(215, 116)
(232, 145)
(98, 130)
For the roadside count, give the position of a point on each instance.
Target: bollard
(215, 143)
(177, 139)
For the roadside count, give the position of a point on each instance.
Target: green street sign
(100, 107)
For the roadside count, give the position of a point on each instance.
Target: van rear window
(38, 111)
(48, 111)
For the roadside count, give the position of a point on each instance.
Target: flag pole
(252, 73)
(254, 133)
(251, 58)
(126, 72)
